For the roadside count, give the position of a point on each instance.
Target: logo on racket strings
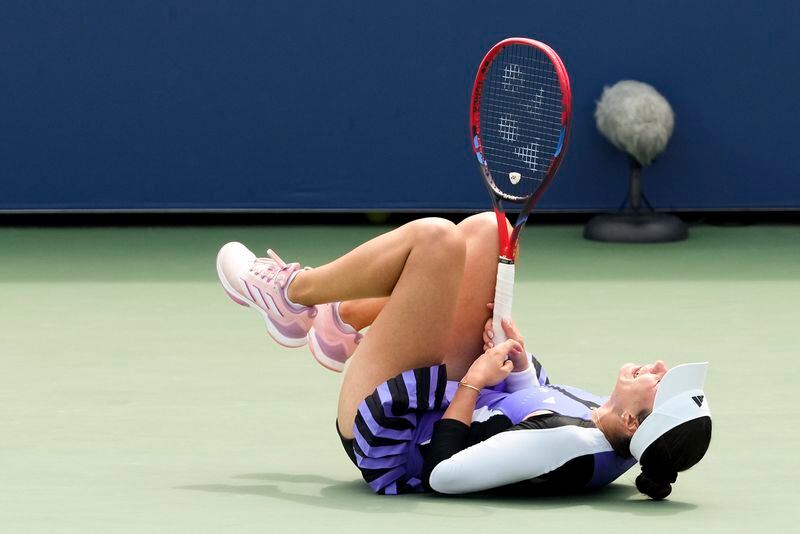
(512, 77)
(509, 131)
(529, 154)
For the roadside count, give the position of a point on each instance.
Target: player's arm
(512, 456)
(451, 432)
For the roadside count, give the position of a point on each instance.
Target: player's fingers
(510, 328)
(496, 353)
(509, 345)
(490, 305)
(515, 346)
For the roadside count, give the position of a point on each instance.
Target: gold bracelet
(462, 383)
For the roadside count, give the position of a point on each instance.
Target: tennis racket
(519, 126)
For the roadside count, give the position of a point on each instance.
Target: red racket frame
(508, 243)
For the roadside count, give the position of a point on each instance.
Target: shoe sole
(325, 361)
(242, 300)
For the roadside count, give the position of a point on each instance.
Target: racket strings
(520, 119)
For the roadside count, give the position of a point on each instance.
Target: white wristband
(522, 379)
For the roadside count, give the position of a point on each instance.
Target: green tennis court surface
(137, 398)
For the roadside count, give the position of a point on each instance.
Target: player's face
(637, 384)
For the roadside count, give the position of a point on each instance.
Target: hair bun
(654, 489)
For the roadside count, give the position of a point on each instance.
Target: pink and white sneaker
(331, 340)
(260, 283)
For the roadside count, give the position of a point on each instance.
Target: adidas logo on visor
(698, 400)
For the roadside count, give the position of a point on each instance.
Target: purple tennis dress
(395, 424)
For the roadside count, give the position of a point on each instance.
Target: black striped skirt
(391, 423)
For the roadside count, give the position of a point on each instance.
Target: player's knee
(435, 228)
(441, 235)
(485, 222)
(482, 225)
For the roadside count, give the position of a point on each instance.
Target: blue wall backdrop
(226, 104)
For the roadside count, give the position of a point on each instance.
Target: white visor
(680, 398)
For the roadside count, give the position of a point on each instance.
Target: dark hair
(676, 450)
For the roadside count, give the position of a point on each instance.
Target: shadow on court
(355, 496)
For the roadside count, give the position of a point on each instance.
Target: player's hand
(512, 332)
(494, 365)
(509, 327)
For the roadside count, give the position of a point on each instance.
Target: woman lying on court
(428, 403)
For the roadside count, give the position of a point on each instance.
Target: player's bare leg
(361, 313)
(465, 342)
(477, 288)
(420, 265)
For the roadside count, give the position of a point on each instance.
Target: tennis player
(428, 403)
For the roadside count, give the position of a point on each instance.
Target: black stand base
(632, 227)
